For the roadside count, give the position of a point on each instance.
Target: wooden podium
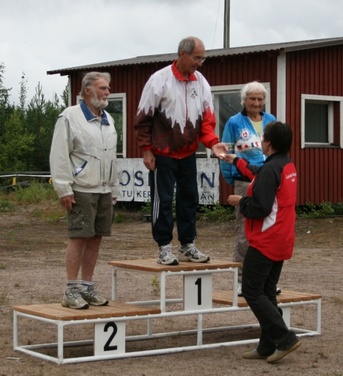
(111, 339)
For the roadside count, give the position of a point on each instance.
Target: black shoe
(254, 354)
(279, 354)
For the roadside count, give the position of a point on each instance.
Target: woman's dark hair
(279, 135)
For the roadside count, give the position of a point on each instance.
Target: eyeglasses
(198, 59)
(104, 88)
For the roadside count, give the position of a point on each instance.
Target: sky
(37, 36)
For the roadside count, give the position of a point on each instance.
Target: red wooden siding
(318, 72)
(309, 71)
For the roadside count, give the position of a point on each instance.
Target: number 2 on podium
(109, 337)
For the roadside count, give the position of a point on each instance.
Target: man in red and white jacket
(269, 209)
(175, 113)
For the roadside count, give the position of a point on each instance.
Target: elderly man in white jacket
(84, 175)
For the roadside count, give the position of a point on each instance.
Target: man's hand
(220, 150)
(229, 158)
(149, 160)
(67, 201)
(233, 200)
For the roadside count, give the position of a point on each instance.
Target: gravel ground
(32, 271)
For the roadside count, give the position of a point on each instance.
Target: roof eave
(169, 57)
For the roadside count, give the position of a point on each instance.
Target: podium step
(56, 311)
(226, 297)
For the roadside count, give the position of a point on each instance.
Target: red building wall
(317, 72)
(312, 71)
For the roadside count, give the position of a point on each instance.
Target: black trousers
(259, 280)
(179, 176)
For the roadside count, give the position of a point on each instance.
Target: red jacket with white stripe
(269, 207)
(175, 113)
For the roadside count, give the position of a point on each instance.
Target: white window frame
(322, 99)
(122, 96)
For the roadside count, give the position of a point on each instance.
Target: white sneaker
(239, 289)
(92, 297)
(192, 253)
(72, 298)
(166, 256)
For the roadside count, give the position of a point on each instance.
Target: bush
(34, 193)
(37, 192)
(216, 213)
(325, 209)
(338, 208)
(6, 205)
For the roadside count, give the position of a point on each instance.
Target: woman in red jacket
(269, 209)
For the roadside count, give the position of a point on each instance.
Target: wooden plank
(225, 297)
(151, 265)
(56, 311)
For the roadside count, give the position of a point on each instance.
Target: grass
(6, 205)
(36, 192)
(42, 195)
(52, 211)
(155, 283)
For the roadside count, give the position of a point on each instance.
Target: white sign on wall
(134, 180)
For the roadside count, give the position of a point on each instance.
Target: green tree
(17, 143)
(65, 97)
(26, 130)
(23, 91)
(40, 120)
(4, 93)
(5, 113)
(5, 108)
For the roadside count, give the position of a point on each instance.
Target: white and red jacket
(175, 113)
(269, 207)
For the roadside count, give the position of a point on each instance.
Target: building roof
(168, 57)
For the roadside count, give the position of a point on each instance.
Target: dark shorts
(91, 215)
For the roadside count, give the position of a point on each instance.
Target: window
(117, 109)
(321, 121)
(226, 102)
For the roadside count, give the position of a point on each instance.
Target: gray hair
(188, 44)
(90, 78)
(252, 87)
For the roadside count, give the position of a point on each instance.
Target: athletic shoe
(166, 256)
(279, 354)
(192, 253)
(92, 297)
(239, 289)
(72, 298)
(254, 354)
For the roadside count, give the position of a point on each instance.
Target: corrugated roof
(288, 46)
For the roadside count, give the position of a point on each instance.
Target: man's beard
(98, 103)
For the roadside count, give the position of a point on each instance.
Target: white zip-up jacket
(175, 113)
(83, 152)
